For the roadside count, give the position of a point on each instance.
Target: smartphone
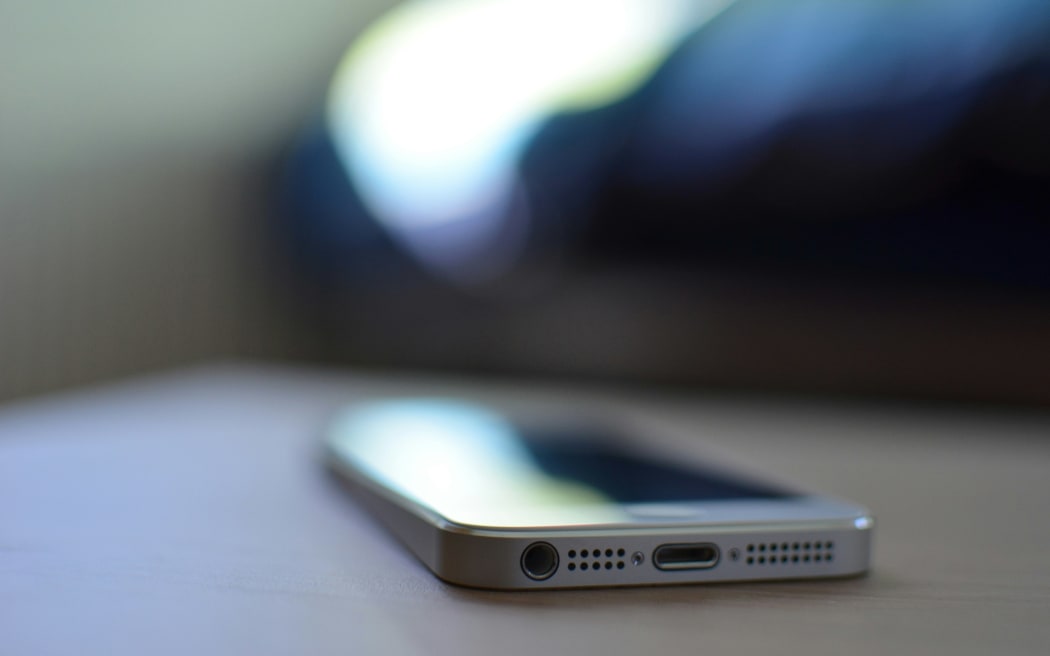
(489, 501)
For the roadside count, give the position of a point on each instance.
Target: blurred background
(846, 197)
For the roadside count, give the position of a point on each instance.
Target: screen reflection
(474, 467)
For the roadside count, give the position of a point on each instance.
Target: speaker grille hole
(778, 552)
(601, 558)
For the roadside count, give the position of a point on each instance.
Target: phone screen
(475, 467)
(626, 475)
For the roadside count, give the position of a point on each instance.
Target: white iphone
(490, 502)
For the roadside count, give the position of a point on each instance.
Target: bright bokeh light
(434, 105)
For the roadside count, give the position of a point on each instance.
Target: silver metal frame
(796, 538)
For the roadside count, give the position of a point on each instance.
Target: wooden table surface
(188, 513)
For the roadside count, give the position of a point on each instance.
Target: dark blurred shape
(819, 195)
(883, 138)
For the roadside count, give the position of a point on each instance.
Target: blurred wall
(137, 142)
